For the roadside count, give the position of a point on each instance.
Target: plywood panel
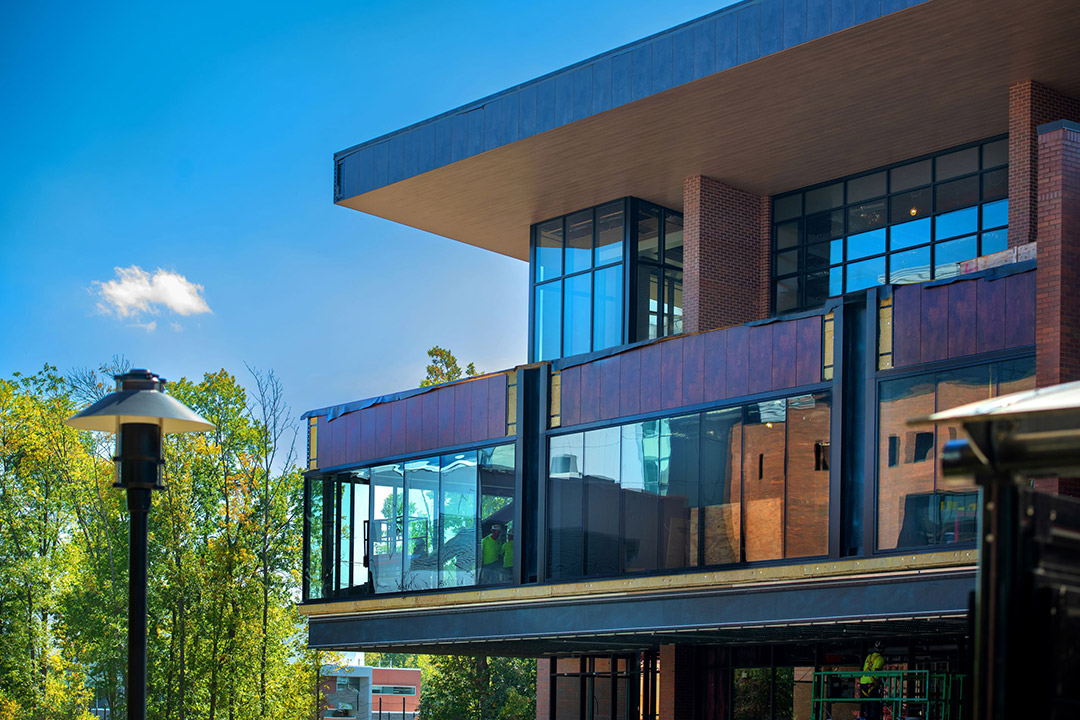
(1020, 310)
(570, 407)
(630, 383)
(991, 317)
(609, 387)
(671, 379)
(784, 354)
(715, 385)
(761, 358)
(590, 392)
(963, 318)
(935, 323)
(907, 325)
(808, 362)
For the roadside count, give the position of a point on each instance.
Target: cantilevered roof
(767, 95)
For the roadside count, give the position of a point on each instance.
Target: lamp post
(139, 413)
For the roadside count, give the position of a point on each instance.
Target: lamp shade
(139, 406)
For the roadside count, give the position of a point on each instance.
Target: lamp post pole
(140, 413)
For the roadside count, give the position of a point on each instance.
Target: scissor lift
(904, 694)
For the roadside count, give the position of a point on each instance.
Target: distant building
(758, 244)
(370, 693)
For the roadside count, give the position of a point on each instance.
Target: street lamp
(139, 413)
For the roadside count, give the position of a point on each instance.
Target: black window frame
(801, 247)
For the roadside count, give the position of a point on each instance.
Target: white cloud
(177, 327)
(148, 327)
(135, 291)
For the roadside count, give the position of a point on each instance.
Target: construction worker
(508, 557)
(870, 685)
(491, 556)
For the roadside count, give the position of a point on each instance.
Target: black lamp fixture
(139, 413)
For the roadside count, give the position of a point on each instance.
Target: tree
(444, 368)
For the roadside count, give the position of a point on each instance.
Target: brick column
(1057, 300)
(543, 688)
(725, 256)
(1030, 105)
(677, 675)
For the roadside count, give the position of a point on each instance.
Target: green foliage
(444, 368)
(480, 688)
(224, 635)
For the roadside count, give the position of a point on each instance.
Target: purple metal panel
(570, 403)
(462, 413)
(761, 358)
(446, 416)
(337, 441)
(935, 323)
(383, 437)
(368, 421)
(808, 356)
(671, 380)
(738, 360)
(609, 387)
(991, 319)
(629, 383)
(963, 318)
(715, 385)
(398, 427)
(784, 354)
(1020, 310)
(650, 378)
(907, 325)
(479, 391)
(352, 437)
(324, 442)
(590, 392)
(414, 423)
(496, 406)
(693, 369)
(430, 431)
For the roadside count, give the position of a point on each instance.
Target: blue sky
(197, 139)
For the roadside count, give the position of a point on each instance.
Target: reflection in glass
(673, 302)
(496, 471)
(673, 239)
(788, 207)
(818, 256)
(806, 520)
(826, 226)
(787, 235)
(960, 222)
(910, 266)
(360, 513)
(648, 241)
(949, 255)
(868, 216)
(910, 206)
(345, 533)
(995, 153)
(386, 530)
(421, 523)
(915, 507)
(957, 194)
(678, 491)
(787, 294)
(720, 498)
(609, 233)
(579, 248)
(865, 274)
(787, 263)
(866, 187)
(459, 539)
(995, 214)
(909, 176)
(764, 455)
(866, 244)
(994, 241)
(640, 473)
(315, 538)
(648, 303)
(909, 234)
(607, 308)
(549, 242)
(577, 312)
(961, 162)
(602, 501)
(548, 313)
(996, 185)
(825, 198)
(817, 287)
(566, 538)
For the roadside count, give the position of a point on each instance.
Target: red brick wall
(677, 676)
(1057, 308)
(1030, 105)
(726, 255)
(543, 688)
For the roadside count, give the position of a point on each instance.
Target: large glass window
(914, 222)
(588, 267)
(915, 507)
(740, 484)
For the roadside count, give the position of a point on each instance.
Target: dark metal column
(138, 500)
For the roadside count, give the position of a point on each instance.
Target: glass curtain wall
(915, 507)
(740, 484)
(419, 525)
(588, 267)
(910, 223)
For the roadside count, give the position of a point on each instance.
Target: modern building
(360, 692)
(759, 243)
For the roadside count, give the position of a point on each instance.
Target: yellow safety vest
(874, 662)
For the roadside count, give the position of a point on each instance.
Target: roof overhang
(912, 82)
